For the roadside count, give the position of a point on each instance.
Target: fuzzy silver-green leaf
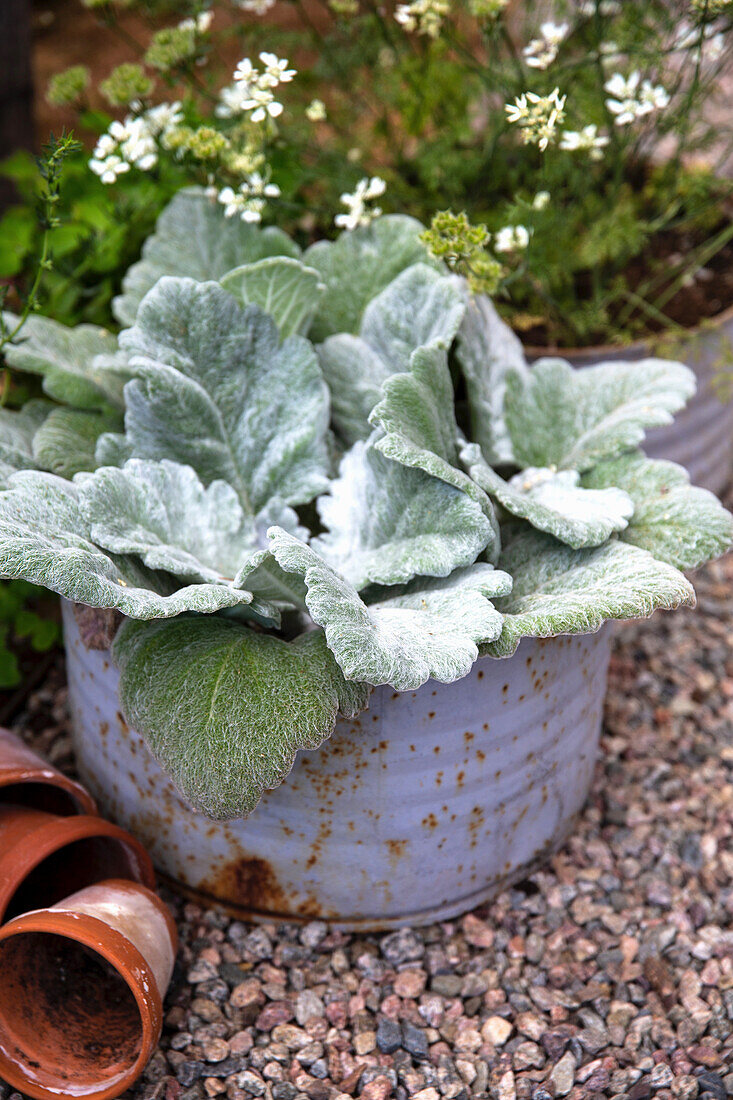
(554, 501)
(358, 265)
(676, 522)
(45, 539)
(285, 288)
(486, 350)
(66, 442)
(417, 416)
(217, 391)
(430, 628)
(386, 523)
(80, 366)
(421, 306)
(558, 590)
(193, 238)
(573, 419)
(224, 710)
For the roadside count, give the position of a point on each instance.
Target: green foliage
(20, 621)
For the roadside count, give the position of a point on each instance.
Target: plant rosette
(294, 518)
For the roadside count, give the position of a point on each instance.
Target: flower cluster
(257, 7)
(132, 143)
(359, 213)
(631, 97)
(537, 116)
(423, 16)
(248, 201)
(542, 51)
(586, 140)
(68, 86)
(464, 248)
(253, 90)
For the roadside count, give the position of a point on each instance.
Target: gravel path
(608, 974)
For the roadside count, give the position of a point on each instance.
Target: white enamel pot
(426, 805)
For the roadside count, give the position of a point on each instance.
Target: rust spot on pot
(438, 779)
(468, 737)
(431, 714)
(436, 749)
(249, 882)
(480, 674)
(459, 779)
(104, 729)
(397, 849)
(480, 754)
(123, 724)
(430, 822)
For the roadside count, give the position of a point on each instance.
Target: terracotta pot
(27, 780)
(44, 858)
(81, 991)
(701, 435)
(424, 806)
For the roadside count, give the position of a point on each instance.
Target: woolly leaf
(360, 263)
(80, 366)
(17, 430)
(419, 307)
(216, 390)
(224, 710)
(486, 350)
(161, 512)
(194, 238)
(285, 288)
(417, 415)
(45, 539)
(429, 628)
(573, 419)
(675, 521)
(65, 443)
(553, 501)
(558, 590)
(388, 523)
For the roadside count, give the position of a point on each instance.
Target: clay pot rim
(637, 347)
(131, 966)
(16, 773)
(54, 835)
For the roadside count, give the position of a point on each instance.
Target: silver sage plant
(299, 475)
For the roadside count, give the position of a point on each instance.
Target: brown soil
(705, 297)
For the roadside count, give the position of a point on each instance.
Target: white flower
(316, 111)
(259, 7)
(541, 52)
(200, 24)
(276, 70)
(358, 214)
(248, 201)
(629, 99)
(231, 100)
(541, 200)
(136, 142)
(106, 145)
(653, 97)
(164, 117)
(512, 238)
(537, 116)
(586, 139)
(109, 168)
(423, 16)
(246, 71)
(262, 104)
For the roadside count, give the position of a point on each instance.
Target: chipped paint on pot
(701, 435)
(426, 805)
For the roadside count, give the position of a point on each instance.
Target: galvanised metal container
(426, 805)
(701, 436)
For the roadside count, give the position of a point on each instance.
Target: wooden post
(16, 84)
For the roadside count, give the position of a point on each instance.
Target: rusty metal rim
(448, 911)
